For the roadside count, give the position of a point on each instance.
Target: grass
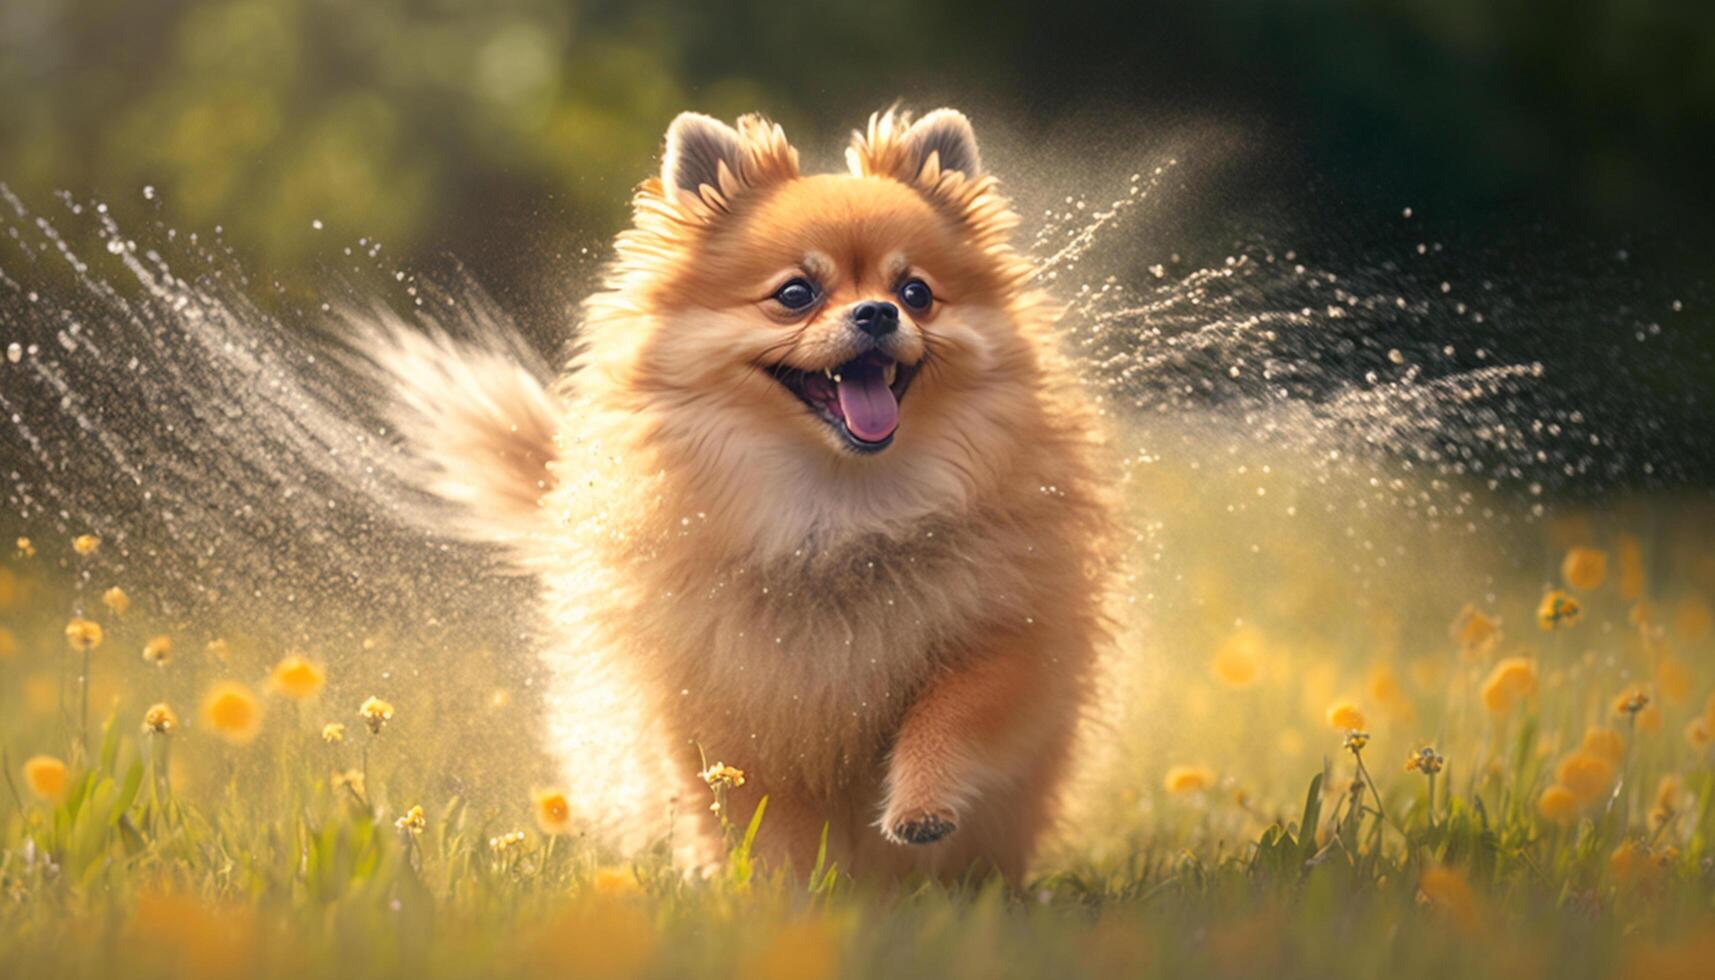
(1231, 824)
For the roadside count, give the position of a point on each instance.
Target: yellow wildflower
(86, 544)
(41, 694)
(1345, 716)
(1686, 958)
(1631, 701)
(116, 600)
(202, 940)
(47, 777)
(506, 842)
(553, 813)
(1623, 862)
(560, 945)
(1700, 733)
(1674, 678)
(1557, 609)
(1475, 631)
(1429, 672)
(1634, 865)
(84, 635)
(333, 733)
(159, 720)
(1669, 791)
(1188, 779)
(158, 651)
(1604, 742)
(351, 779)
(1511, 681)
(1425, 760)
(800, 950)
(296, 678)
(1558, 804)
(1383, 688)
(1446, 889)
(375, 713)
(1692, 620)
(1584, 568)
(1237, 662)
(722, 776)
(1642, 615)
(612, 880)
(413, 822)
(232, 711)
(1650, 718)
(1587, 775)
(1356, 740)
(26, 548)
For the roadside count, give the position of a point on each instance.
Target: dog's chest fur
(803, 665)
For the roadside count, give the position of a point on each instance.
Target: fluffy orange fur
(895, 644)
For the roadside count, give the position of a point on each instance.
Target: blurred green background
(508, 132)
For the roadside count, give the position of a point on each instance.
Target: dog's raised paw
(925, 828)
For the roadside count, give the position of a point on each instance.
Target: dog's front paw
(922, 827)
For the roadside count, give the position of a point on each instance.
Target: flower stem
(6, 767)
(83, 716)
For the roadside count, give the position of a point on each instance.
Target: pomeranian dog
(817, 497)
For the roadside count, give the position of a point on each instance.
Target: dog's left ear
(947, 135)
(918, 153)
(938, 156)
(706, 162)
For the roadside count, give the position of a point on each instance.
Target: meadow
(1370, 732)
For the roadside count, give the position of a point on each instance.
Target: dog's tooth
(888, 375)
(835, 377)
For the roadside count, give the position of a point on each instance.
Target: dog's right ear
(699, 147)
(708, 162)
(916, 153)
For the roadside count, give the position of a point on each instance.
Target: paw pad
(926, 829)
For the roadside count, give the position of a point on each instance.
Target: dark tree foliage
(510, 131)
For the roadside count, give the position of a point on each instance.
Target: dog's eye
(915, 294)
(796, 294)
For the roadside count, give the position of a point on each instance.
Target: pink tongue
(868, 404)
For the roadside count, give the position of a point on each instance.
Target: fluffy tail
(474, 416)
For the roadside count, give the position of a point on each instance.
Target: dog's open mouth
(859, 399)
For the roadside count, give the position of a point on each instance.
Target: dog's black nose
(878, 319)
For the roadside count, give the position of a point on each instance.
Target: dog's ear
(947, 135)
(698, 148)
(938, 156)
(714, 163)
(916, 153)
